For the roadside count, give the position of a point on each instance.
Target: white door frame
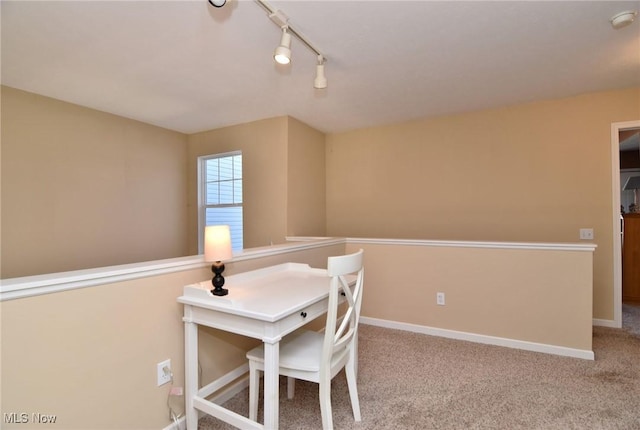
(616, 128)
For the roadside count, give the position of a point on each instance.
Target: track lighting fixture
(282, 54)
(320, 82)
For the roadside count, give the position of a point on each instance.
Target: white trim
(479, 338)
(267, 251)
(617, 242)
(243, 383)
(218, 384)
(29, 286)
(201, 209)
(225, 395)
(589, 247)
(605, 323)
(202, 197)
(616, 128)
(180, 425)
(305, 238)
(16, 288)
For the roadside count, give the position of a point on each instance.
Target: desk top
(267, 294)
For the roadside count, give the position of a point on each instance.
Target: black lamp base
(218, 280)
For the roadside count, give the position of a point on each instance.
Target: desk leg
(271, 384)
(191, 373)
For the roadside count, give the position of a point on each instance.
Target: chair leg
(325, 404)
(350, 370)
(291, 387)
(254, 391)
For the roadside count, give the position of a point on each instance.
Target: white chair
(318, 357)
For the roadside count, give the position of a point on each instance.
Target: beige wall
(89, 356)
(532, 172)
(535, 172)
(283, 174)
(264, 168)
(306, 196)
(82, 188)
(532, 295)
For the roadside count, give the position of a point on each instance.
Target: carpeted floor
(631, 317)
(414, 381)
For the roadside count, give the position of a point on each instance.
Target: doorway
(616, 130)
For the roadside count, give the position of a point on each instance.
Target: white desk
(265, 304)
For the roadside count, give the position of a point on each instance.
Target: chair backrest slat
(339, 338)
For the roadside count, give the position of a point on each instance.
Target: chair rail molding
(15, 288)
(29, 286)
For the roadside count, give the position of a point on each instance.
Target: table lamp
(633, 183)
(217, 247)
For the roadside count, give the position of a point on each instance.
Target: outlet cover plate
(164, 377)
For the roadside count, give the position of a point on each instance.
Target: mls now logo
(16, 417)
(23, 418)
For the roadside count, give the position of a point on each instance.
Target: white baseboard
(605, 323)
(479, 338)
(224, 395)
(432, 331)
(181, 424)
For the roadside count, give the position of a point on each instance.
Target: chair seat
(318, 357)
(300, 351)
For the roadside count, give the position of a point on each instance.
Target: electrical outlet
(164, 372)
(440, 299)
(586, 234)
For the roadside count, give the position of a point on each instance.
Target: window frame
(202, 190)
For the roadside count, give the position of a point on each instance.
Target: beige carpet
(413, 381)
(631, 317)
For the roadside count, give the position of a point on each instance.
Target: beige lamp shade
(217, 243)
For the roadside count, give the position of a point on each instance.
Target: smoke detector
(623, 19)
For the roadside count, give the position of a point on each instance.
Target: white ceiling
(187, 66)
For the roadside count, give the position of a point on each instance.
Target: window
(221, 195)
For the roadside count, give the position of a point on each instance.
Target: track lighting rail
(282, 53)
(281, 20)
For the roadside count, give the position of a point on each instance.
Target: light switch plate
(586, 234)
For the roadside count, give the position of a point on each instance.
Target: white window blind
(221, 199)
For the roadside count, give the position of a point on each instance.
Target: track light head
(282, 54)
(320, 82)
(217, 3)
